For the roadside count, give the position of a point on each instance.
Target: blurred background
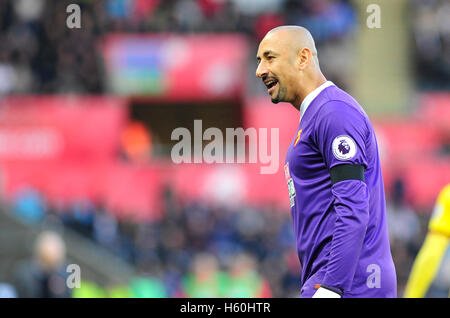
(86, 116)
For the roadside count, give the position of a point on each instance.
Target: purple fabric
(341, 229)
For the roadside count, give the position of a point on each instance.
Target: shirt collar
(310, 97)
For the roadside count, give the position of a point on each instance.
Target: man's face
(276, 69)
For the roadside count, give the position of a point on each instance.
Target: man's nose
(261, 70)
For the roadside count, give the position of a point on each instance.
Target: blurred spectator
(206, 279)
(245, 280)
(29, 206)
(44, 276)
(404, 225)
(81, 217)
(105, 228)
(405, 232)
(28, 10)
(136, 142)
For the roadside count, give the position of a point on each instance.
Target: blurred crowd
(41, 55)
(407, 230)
(203, 250)
(194, 250)
(431, 33)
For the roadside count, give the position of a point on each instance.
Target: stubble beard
(281, 95)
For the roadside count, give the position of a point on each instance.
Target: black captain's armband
(347, 172)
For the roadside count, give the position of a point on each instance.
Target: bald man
(45, 275)
(333, 173)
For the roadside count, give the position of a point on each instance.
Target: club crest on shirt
(344, 147)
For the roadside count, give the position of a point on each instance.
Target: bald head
(50, 250)
(293, 37)
(288, 64)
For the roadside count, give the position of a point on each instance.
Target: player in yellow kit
(430, 274)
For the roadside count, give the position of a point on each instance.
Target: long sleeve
(341, 138)
(351, 202)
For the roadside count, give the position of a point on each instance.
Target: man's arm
(341, 132)
(351, 202)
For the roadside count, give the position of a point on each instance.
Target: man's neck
(307, 89)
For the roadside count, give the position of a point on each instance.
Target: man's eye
(270, 57)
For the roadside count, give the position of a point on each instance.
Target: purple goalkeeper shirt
(341, 231)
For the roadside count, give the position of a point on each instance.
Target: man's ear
(304, 57)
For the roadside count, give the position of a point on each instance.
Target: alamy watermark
(374, 19)
(374, 279)
(222, 150)
(73, 20)
(74, 278)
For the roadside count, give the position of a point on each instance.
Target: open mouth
(271, 85)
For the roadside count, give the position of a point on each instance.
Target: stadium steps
(96, 263)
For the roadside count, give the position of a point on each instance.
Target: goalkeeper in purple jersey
(333, 174)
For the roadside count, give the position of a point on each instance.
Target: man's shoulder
(337, 102)
(338, 111)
